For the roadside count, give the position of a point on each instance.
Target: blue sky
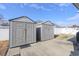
(59, 13)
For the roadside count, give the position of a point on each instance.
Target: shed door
(38, 34)
(19, 33)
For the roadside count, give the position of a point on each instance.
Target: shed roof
(47, 22)
(23, 19)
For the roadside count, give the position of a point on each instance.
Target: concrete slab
(45, 48)
(13, 51)
(48, 48)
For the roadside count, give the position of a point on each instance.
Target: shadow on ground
(56, 36)
(75, 46)
(25, 46)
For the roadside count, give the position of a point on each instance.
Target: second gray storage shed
(22, 31)
(44, 31)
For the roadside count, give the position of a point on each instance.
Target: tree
(74, 26)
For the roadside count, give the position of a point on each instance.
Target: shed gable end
(48, 22)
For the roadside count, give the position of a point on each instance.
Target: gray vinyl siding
(34, 33)
(31, 37)
(47, 31)
(10, 35)
(17, 36)
(22, 33)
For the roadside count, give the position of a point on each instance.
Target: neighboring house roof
(4, 22)
(1, 21)
(76, 5)
(23, 19)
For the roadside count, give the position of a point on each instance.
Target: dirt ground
(3, 47)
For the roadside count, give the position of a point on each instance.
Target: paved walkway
(52, 47)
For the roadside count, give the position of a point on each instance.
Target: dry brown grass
(3, 47)
(63, 36)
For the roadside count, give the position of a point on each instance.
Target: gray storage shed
(22, 31)
(44, 31)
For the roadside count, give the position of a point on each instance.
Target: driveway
(51, 47)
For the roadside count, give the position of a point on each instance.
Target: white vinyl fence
(72, 31)
(4, 34)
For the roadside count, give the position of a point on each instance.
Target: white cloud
(61, 22)
(63, 4)
(23, 4)
(75, 17)
(37, 6)
(2, 7)
(70, 21)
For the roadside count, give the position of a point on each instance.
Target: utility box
(77, 37)
(22, 31)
